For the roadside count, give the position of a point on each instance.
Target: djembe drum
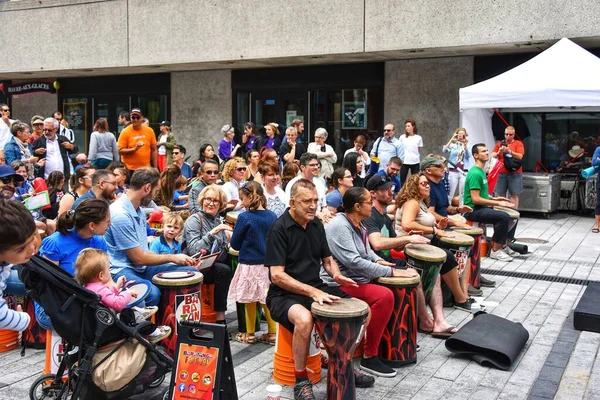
(427, 260)
(459, 245)
(180, 300)
(231, 218)
(398, 344)
(477, 234)
(340, 325)
(240, 307)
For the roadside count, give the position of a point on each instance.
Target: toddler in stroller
(92, 270)
(105, 357)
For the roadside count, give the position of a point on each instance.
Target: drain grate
(537, 277)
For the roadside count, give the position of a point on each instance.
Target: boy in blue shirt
(166, 243)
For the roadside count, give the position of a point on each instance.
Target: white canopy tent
(565, 75)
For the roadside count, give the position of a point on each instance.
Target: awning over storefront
(565, 75)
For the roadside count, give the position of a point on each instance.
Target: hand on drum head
(418, 239)
(321, 297)
(133, 293)
(404, 273)
(344, 281)
(182, 259)
(506, 203)
(386, 263)
(463, 209)
(442, 223)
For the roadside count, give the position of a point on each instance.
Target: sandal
(268, 338)
(595, 230)
(246, 338)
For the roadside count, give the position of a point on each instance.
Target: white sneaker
(511, 252)
(500, 255)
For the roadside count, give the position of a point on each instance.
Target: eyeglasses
(211, 172)
(38, 124)
(5, 110)
(48, 130)
(314, 165)
(388, 130)
(241, 169)
(176, 153)
(208, 200)
(394, 169)
(135, 118)
(424, 184)
(347, 177)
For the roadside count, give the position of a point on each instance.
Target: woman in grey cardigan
(204, 232)
(103, 145)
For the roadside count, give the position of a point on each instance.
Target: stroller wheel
(46, 387)
(157, 382)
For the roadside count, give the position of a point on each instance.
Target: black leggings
(450, 262)
(413, 168)
(219, 275)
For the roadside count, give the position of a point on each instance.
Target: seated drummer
(382, 238)
(478, 198)
(435, 168)
(296, 246)
(412, 215)
(127, 241)
(347, 239)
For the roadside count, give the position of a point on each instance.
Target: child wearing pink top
(92, 270)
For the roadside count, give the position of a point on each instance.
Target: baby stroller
(86, 326)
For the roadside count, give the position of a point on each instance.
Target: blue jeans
(146, 277)
(14, 284)
(42, 318)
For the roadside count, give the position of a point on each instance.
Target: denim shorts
(511, 182)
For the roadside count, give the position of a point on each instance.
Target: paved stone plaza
(557, 362)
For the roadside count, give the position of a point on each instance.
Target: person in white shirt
(5, 123)
(324, 152)
(359, 144)
(412, 145)
(309, 170)
(53, 148)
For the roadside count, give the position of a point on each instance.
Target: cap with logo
(166, 123)
(6, 170)
(379, 182)
(429, 161)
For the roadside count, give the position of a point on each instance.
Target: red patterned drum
(459, 245)
(398, 344)
(476, 233)
(340, 325)
(180, 301)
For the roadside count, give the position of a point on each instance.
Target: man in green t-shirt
(477, 197)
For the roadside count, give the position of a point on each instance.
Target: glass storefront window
(75, 111)
(154, 108)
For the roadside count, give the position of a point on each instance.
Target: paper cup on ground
(273, 392)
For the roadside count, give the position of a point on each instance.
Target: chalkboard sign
(76, 115)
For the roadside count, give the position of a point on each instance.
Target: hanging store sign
(30, 88)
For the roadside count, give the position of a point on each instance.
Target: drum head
(342, 308)
(232, 216)
(425, 252)
(175, 274)
(142, 290)
(178, 278)
(514, 214)
(458, 239)
(398, 281)
(474, 231)
(233, 251)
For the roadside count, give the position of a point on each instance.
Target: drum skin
(427, 260)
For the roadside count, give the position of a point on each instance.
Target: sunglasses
(176, 153)
(136, 118)
(241, 169)
(388, 130)
(211, 172)
(48, 130)
(5, 110)
(7, 179)
(424, 184)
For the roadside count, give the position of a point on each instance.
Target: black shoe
(303, 391)
(375, 366)
(362, 380)
(474, 291)
(485, 282)
(466, 306)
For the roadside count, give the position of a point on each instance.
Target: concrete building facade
(197, 48)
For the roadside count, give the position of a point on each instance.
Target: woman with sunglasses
(234, 173)
(205, 233)
(413, 215)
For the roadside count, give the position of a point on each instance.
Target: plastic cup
(273, 392)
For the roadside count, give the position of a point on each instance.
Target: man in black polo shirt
(382, 238)
(439, 206)
(296, 245)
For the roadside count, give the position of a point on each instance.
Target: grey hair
(321, 132)
(291, 129)
(226, 129)
(53, 120)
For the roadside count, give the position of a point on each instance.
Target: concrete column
(200, 106)
(426, 90)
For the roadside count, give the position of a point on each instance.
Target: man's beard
(145, 201)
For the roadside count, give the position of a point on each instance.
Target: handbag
(375, 161)
(119, 368)
(512, 164)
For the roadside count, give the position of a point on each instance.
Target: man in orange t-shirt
(137, 144)
(510, 180)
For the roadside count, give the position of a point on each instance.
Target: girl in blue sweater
(251, 280)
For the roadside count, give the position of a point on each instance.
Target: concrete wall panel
(201, 105)
(410, 24)
(240, 29)
(74, 35)
(426, 90)
(25, 106)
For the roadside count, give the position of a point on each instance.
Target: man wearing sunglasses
(8, 180)
(178, 159)
(54, 148)
(5, 123)
(208, 173)
(137, 144)
(387, 146)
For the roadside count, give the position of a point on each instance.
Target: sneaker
(362, 380)
(474, 291)
(160, 333)
(375, 366)
(303, 391)
(485, 282)
(500, 255)
(511, 252)
(143, 313)
(466, 306)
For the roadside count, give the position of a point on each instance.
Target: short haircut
(181, 180)
(267, 166)
(143, 176)
(360, 139)
(291, 129)
(124, 115)
(296, 122)
(395, 160)
(172, 218)
(37, 116)
(16, 224)
(475, 148)
(321, 132)
(306, 158)
(301, 183)
(509, 128)
(54, 122)
(17, 127)
(209, 161)
(100, 175)
(17, 164)
(88, 265)
(220, 194)
(180, 148)
(337, 174)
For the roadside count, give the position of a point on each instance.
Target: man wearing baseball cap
(8, 178)
(137, 144)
